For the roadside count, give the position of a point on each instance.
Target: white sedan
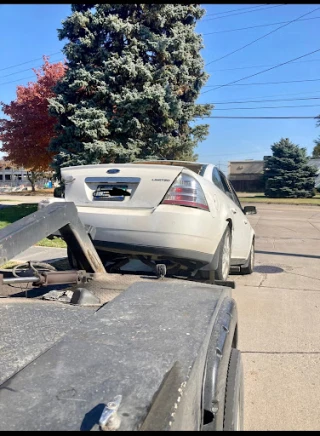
(184, 214)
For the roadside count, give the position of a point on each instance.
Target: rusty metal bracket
(62, 216)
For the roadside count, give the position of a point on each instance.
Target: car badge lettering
(113, 171)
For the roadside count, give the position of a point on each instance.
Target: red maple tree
(26, 134)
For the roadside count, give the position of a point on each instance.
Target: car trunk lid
(118, 185)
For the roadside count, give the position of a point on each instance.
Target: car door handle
(234, 210)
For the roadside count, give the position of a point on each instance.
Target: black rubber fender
(233, 406)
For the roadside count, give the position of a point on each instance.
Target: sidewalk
(41, 254)
(11, 200)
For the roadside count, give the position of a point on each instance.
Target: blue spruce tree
(134, 74)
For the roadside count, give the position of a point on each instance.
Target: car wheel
(247, 268)
(222, 272)
(233, 404)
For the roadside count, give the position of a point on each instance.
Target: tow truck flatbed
(131, 352)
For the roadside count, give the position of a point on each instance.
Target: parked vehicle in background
(184, 214)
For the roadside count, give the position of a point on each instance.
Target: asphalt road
(279, 320)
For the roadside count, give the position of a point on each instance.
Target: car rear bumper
(166, 231)
(159, 252)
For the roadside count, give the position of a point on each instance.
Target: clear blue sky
(29, 31)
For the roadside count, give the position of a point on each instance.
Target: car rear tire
(222, 272)
(233, 404)
(247, 268)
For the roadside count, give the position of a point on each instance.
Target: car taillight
(186, 191)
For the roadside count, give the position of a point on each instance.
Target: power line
(238, 9)
(240, 84)
(53, 54)
(205, 86)
(247, 12)
(260, 66)
(18, 80)
(291, 93)
(261, 83)
(254, 27)
(27, 69)
(262, 101)
(284, 95)
(261, 37)
(28, 62)
(264, 71)
(266, 107)
(231, 102)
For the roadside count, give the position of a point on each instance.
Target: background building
(246, 175)
(12, 176)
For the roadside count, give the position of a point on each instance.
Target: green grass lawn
(9, 215)
(9, 265)
(260, 198)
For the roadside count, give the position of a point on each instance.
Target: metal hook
(110, 420)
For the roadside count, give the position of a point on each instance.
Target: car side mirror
(249, 210)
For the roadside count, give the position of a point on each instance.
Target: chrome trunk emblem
(113, 171)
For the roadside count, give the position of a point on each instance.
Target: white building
(11, 175)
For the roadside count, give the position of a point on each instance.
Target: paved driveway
(279, 315)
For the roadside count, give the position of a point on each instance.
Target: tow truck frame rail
(24, 233)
